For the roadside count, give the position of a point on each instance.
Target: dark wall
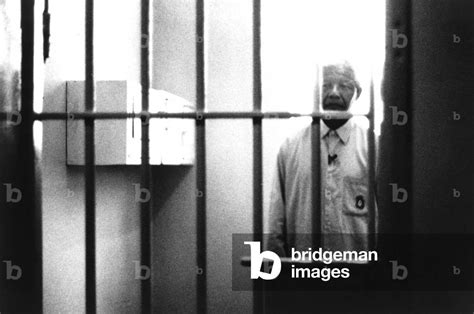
(443, 99)
(443, 81)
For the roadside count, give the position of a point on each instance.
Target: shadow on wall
(174, 239)
(167, 180)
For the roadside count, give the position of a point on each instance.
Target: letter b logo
(13, 194)
(256, 260)
(398, 113)
(396, 191)
(139, 192)
(14, 272)
(138, 271)
(395, 271)
(396, 39)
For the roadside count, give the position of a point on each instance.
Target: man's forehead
(338, 72)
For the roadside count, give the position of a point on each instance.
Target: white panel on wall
(118, 142)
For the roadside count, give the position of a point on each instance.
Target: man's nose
(334, 93)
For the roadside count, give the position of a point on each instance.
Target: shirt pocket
(355, 195)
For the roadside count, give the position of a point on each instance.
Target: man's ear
(359, 91)
(355, 96)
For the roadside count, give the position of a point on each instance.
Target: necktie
(331, 141)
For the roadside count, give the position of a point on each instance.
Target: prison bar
(257, 125)
(197, 115)
(90, 202)
(316, 214)
(31, 229)
(145, 168)
(371, 169)
(258, 296)
(316, 177)
(201, 227)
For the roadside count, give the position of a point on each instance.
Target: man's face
(338, 88)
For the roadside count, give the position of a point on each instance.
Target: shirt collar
(343, 132)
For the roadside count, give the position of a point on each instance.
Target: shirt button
(328, 194)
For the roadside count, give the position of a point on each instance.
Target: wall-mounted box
(118, 142)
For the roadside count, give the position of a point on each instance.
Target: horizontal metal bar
(197, 115)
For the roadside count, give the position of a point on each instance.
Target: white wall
(116, 57)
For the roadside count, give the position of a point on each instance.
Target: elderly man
(344, 177)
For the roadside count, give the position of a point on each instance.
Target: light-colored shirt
(344, 191)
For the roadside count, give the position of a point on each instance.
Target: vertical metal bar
(91, 303)
(145, 169)
(316, 169)
(258, 298)
(201, 228)
(371, 175)
(257, 126)
(396, 149)
(30, 213)
(46, 30)
(316, 181)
